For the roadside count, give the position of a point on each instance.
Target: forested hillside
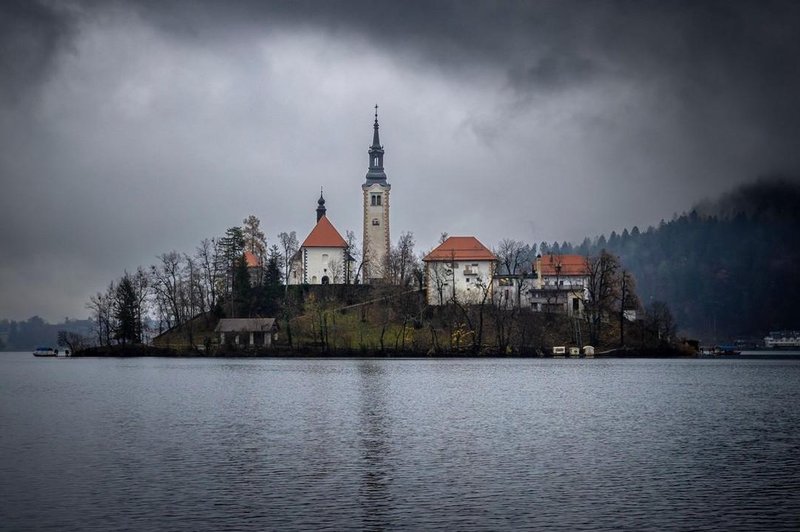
(728, 268)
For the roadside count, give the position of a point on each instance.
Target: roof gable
(324, 235)
(563, 265)
(251, 259)
(460, 248)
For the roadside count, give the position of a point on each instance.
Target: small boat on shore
(45, 352)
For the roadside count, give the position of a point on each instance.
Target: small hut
(253, 332)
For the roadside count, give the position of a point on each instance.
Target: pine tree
(125, 312)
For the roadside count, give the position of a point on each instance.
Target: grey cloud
(32, 35)
(138, 127)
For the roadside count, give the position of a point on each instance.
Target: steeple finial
(320, 206)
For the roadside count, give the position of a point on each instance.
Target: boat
(719, 351)
(45, 352)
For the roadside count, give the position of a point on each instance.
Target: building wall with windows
(320, 265)
(459, 270)
(376, 230)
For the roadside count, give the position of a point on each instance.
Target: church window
(375, 221)
(376, 200)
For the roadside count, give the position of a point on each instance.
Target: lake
(461, 444)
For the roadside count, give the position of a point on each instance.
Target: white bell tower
(376, 212)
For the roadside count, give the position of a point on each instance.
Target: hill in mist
(728, 268)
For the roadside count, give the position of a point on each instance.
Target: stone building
(247, 332)
(376, 190)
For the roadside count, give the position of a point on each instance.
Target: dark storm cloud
(32, 35)
(713, 56)
(143, 122)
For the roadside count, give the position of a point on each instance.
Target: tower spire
(320, 206)
(376, 173)
(376, 140)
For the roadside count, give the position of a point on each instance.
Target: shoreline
(162, 352)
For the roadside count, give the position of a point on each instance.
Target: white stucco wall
(315, 263)
(469, 287)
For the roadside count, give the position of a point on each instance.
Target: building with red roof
(254, 268)
(557, 283)
(323, 256)
(560, 283)
(460, 269)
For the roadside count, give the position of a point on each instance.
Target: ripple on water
(149, 444)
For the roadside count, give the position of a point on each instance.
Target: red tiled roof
(324, 235)
(460, 248)
(251, 259)
(570, 265)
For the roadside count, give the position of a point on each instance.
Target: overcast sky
(128, 129)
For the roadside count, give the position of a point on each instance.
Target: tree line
(727, 268)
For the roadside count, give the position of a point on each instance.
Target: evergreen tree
(273, 270)
(125, 312)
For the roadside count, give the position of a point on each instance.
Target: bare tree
(168, 285)
(406, 258)
(335, 270)
(660, 322)
(101, 307)
(73, 341)
(351, 251)
(254, 239)
(627, 301)
(289, 246)
(207, 256)
(510, 255)
(603, 291)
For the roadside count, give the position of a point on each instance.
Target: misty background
(128, 129)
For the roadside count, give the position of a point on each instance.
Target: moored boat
(45, 352)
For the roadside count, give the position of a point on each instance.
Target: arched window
(325, 279)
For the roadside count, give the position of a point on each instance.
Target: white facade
(464, 281)
(513, 291)
(319, 265)
(376, 229)
(551, 287)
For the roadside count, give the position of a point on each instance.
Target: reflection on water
(373, 431)
(155, 444)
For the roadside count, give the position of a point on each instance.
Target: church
(324, 258)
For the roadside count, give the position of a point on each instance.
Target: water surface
(245, 444)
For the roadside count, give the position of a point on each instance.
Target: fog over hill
(728, 268)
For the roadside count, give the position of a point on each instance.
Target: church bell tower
(376, 212)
